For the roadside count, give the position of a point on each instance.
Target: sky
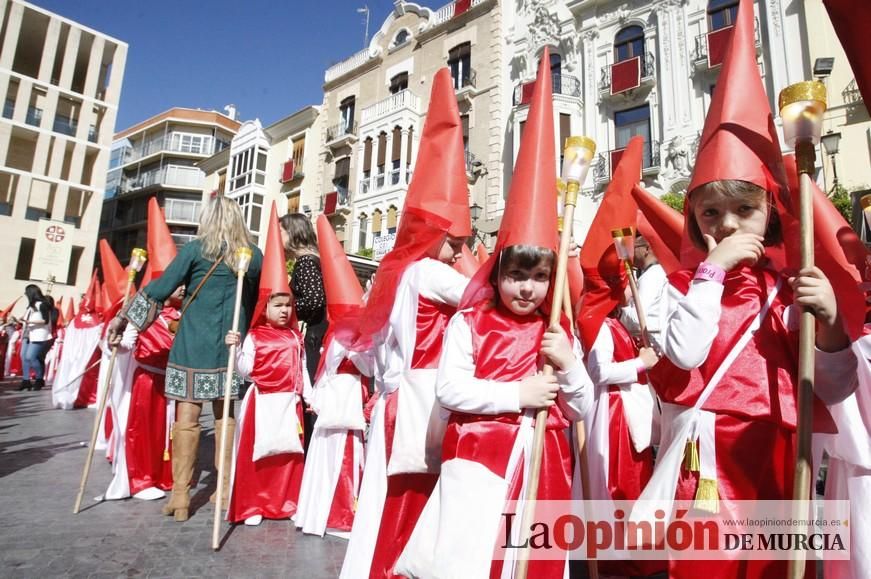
(267, 57)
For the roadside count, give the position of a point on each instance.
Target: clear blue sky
(265, 56)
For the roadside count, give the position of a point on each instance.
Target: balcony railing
(346, 65)
(160, 144)
(607, 161)
(562, 84)
(404, 99)
(171, 175)
(711, 46)
(450, 10)
(851, 94)
(647, 65)
(381, 181)
(65, 125)
(467, 80)
(341, 129)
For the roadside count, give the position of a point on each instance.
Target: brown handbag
(173, 324)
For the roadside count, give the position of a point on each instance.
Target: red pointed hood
(530, 216)
(61, 319)
(739, 140)
(8, 310)
(161, 248)
(114, 276)
(340, 282)
(838, 252)
(662, 227)
(481, 254)
(91, 299)
(69, 312)
(273, 275)
(604, 273)
(851, 20)
(439, 184)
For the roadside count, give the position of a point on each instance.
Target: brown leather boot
(185, 441)
(228, 457)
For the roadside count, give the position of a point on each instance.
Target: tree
(674, 200)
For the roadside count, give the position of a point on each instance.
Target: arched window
(460, 63)
(391, 219)
(556, 63)
(376, 223)
(401, 37)
(721, 13)
(629, 43)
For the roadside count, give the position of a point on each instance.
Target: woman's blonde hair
(222, 230)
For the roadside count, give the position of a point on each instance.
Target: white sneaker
(254, 521)
(150, 494)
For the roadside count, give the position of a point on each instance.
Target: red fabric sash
(760, 383)
(624, 346)
(432, 321)
(277, 359)
(152, 347)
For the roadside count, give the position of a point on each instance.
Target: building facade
(374, 108)
(640, 67)
(158, 158)
(62, 82)
(278, 164)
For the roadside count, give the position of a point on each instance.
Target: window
(464, 122)
(341, 179)
(382, 155)
(460, 63)
(361, 238)
(629, 43)
(395, 154)
(367, 157)
(401, 37)
(252, 209)
(721, 13)
(556, 63)
(376, 223)
(248, 166)
(190, 143)
(25, 258)
(346, 111)
(8, 187)
(633, 122)
(565, 131)
(75, 258)
(391, 219)
(399, 83)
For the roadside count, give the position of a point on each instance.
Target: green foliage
(290, 263)
(673, 200)
(366, 252)
(843, 202)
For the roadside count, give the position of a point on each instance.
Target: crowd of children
(426, 389)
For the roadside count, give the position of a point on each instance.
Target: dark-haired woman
(307, 285)
(37, 336)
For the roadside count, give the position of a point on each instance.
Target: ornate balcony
(341, 134)
(711, 47)
(404, 100)
(562, 84)
(627, 76)
(606, 162)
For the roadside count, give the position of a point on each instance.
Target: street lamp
(831, 142)
(475, 214)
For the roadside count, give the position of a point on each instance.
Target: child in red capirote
(268, 459)
(729, 376)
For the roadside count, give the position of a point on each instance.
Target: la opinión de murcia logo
(55, 233)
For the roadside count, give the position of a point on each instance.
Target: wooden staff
(802, 106)
(579, 151)
(623, 242)
(243, 260)
(137, 260)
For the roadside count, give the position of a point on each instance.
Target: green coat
(198, 358)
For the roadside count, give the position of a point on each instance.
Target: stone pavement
(42, 452)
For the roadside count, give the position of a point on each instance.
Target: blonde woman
(198, 359)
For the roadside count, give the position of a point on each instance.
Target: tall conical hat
(114, 276)
(739, 140)
(161, 248)
(604, 273)
(91, 299)
(467, 264)
(662, 227)
(8, 310)
(530, 216)
(439, 184)
(273, 275)
(61, 321)
(69, 311)
(340, 282)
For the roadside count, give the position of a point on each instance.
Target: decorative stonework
(544, 28)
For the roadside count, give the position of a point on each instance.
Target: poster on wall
(52, 251)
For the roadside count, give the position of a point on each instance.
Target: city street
(43, 451)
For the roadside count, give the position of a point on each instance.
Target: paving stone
(42, 452)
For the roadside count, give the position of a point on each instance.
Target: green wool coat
(198, 359)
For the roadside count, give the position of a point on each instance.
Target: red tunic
(148, 454)
(15, 367)
(407, 493)
(506, 348)
(755, 405)
(269, 486)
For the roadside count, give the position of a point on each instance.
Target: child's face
(450, 250)
(720, 215)
(523, 290)
(278, 311)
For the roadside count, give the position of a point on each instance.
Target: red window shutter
(461, 6)
(330, 202)
(287, 171)
(625, 75)
(526, 92)
(718, 41)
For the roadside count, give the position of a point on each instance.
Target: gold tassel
(165, 455)
(691, 456)
(707, 496)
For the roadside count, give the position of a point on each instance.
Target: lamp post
(475, 213)
(831, 143)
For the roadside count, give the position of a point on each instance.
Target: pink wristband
(710, 272)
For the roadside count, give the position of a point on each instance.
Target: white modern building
(62, 82)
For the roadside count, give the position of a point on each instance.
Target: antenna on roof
(365, 10)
